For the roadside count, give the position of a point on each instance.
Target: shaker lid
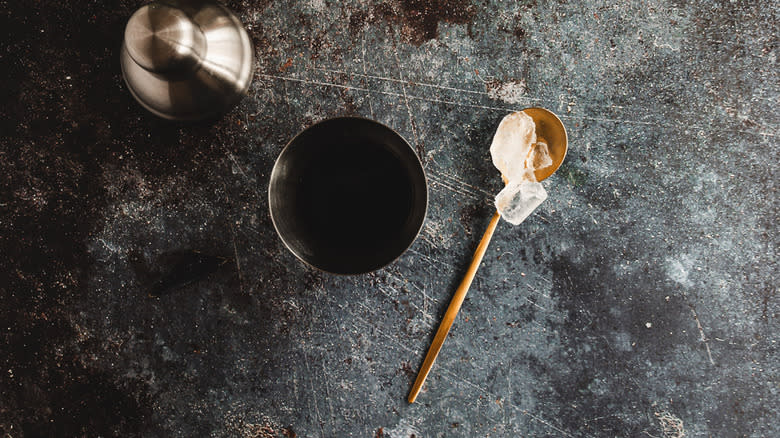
(186, 60)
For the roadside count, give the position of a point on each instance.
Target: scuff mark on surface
(671, 426)
(677, 271)
(402, 430)
(512, 91)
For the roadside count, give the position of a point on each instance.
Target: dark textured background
(145, 293)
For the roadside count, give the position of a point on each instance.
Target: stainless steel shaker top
(186, 60)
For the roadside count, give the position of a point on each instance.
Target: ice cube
(540, 156)
(512, 144)
(519, 199)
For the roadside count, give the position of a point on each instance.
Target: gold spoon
(548, 127)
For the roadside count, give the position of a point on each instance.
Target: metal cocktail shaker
(186, 60)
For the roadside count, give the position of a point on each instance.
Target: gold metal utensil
(548, 127)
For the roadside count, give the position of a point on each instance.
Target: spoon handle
(452, 310)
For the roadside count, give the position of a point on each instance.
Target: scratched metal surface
(145, 292)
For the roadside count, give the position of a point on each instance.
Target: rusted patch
(407, 369)
(286, 65)
(419, 19)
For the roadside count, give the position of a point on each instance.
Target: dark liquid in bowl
(353, 198)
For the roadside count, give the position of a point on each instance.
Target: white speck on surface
(649, 324)
(677, 271)
(509, 92)
(318, 5)
(402, 430)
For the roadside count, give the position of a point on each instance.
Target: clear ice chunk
(519, 199)
(512, 144)
(540, 156)
(517, 153)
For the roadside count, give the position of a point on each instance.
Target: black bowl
(348, 195)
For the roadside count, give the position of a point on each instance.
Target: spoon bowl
(550, 128)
